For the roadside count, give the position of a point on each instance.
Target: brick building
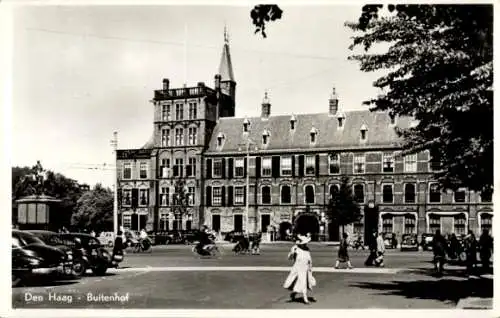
(294, 163)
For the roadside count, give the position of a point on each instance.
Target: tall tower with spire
(227, 82)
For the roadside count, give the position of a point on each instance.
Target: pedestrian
(118, 248)
(471, 251)
(454, 246)
(92, 233)
(485, 249)
(379, 261)
(256, 244)
(439, 251)
(300, 279)
(372, 247)
(343, 255)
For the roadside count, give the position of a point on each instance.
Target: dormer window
(220, 139)
(265, 137)
(293, 120)
(246, 125)
(313, 134)
(341, 121)
(363, 130)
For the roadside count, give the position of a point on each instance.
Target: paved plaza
(171, 277)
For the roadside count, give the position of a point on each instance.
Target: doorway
(307, 223)
(238, 223)
(216, 222)
(265, 221)
(371, 223)
(284, 226)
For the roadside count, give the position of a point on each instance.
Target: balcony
(186, 92)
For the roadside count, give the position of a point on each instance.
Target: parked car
(390, 240)
(32, 257)
(409, 242)
(54, 239)
(233, 236)
(107, 238)
(131, 238)
(94, 256)
(191, 236)
(426, 241)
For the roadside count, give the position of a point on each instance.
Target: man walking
(372, 247)
(379, 261)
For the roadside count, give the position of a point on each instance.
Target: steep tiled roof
(380, 132)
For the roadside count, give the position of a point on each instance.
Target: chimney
(217, 81)
(166, 83)
(334, 104)
(266, 107)
(201, 84)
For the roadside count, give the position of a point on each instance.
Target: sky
(82, 72)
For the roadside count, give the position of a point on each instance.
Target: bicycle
(143, 246)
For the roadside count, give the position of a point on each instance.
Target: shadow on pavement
(444, 289)
(45, 283)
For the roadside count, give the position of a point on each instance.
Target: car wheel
(100, 270)
(16, 280)
(79, 268)
(462, 257)
(110, 244)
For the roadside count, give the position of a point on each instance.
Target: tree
(440, 72)
(180, 200)
(342, 206)
(94, 210)
(262, 14)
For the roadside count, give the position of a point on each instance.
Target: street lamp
(114, 144)
(248, 143)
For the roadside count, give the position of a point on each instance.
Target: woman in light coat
(300, 279)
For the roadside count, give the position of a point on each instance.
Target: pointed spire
(225, 66)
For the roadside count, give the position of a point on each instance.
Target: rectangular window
(334, 163)
(179, 137)
(359, 193)
(127, 170)
(266, 167)
(387, 223)
(266, 195)
(459, 196)
(410, 193)
(388, 162)
(191, 193)
(165, 112)
(165, 168)
(143, 197)
(410, 224)
(434, 223)
(192, 136)
(387, 193)
(359, 163)
(486, 222)
(460, 223)
(217, 166)
(178, 167)
(310, 165)
(434, 193)
(179, 112)
(239, 167)
(217, 196)
(410, 163)
(239, 195)
(165, 138)
(286, 166)
(165, 196)
(192, 110)
(191, 167)
(143, 170)
(127, 194)
(127, 221)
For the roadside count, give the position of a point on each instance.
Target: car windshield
(31, 239)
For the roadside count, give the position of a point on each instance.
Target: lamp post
(114, 144)
(248, 143)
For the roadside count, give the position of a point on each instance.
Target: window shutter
(257, 167)
(223, 194)
(230, 196)
(120, 197)
(317, 165)
(209, 168)
(223, 168)
(301, 165)
(293, 166)
(209, 196)
(245, 167)
(245, 195)
(135, 198)
(276, 166)
(230, 168)
(147, 197)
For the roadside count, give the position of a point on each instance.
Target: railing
(182, 92)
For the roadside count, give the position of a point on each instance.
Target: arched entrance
(307, 223)
(282, 231)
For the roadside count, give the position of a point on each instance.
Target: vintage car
(32, 257)
(107, 238)
(390, 240)
(409, 242)
(94, 255)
